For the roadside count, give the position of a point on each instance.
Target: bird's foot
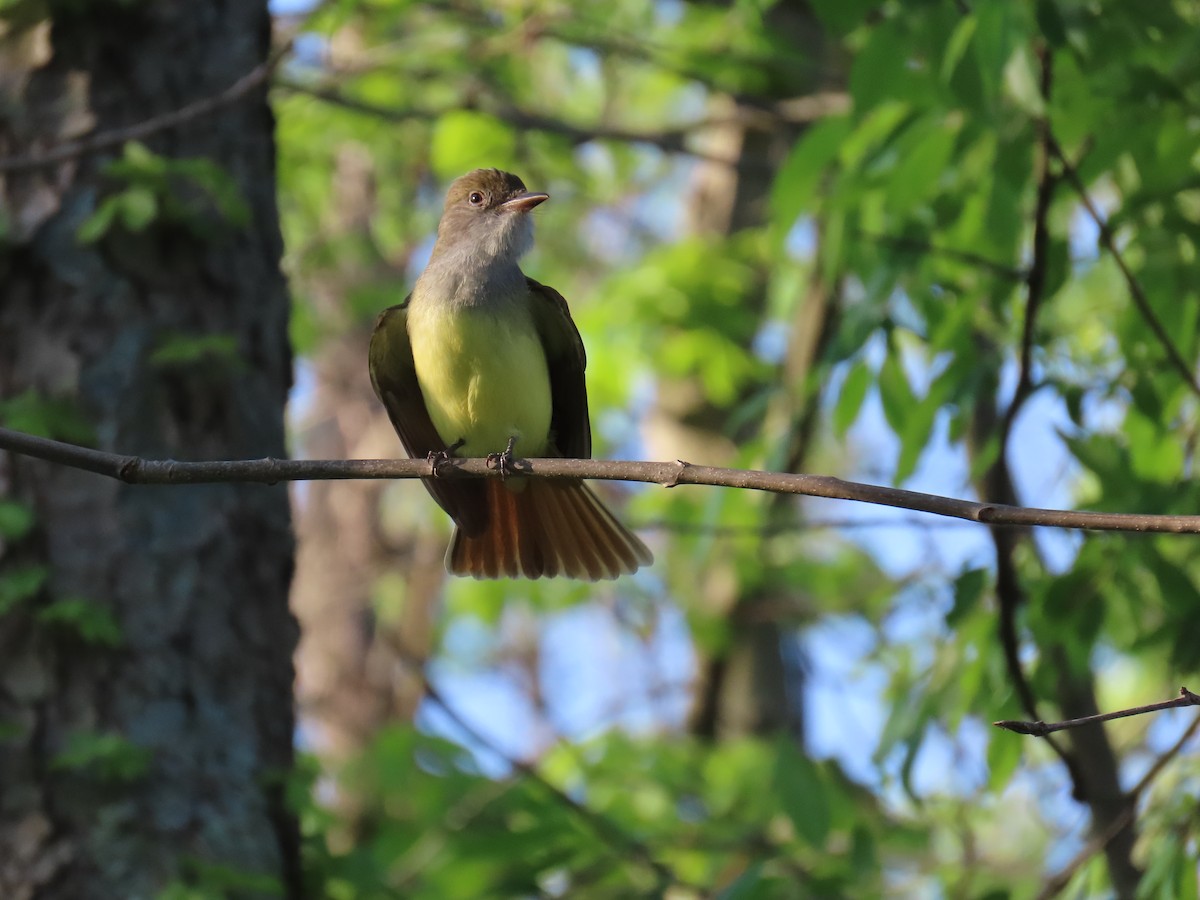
(439, 458)
(503, 461)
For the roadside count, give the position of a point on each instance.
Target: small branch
(1058, 883)
(1041, 729)
(1108, 242)
(671, 139)
(116, 137)
(135, 470)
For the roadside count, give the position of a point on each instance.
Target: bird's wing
(570, 428)
(394, 377)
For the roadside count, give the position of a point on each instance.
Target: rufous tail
(545, 529)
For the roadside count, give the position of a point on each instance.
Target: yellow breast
(483, 376)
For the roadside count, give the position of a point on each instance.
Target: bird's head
(487, 215)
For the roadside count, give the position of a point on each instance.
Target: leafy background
(847, 237)
(943, 244)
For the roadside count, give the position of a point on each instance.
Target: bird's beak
(523, 202)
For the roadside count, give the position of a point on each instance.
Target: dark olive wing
(394, 377)
(570, 428)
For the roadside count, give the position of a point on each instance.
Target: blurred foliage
(83, 619)
(195, 194)
(20, 583)
(15, 520)
(103, 757)
(52, 417)
(917, 207)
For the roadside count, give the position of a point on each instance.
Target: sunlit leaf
(802, 793)
(465, 140)
(850, 399)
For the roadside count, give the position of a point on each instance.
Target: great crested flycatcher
(479, 360)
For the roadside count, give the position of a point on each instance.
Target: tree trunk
(145, 681)
(755, 685)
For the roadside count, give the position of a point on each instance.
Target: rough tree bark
(152, 753)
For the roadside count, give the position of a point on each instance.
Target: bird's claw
(503, 461)
(439, 458)
(436, 459)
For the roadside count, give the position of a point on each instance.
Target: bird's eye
(475, 199)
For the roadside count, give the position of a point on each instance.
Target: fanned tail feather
(547, 529)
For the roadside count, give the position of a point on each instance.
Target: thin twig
(1058, 883)
(135, 470)
(669, 140)
(106, 140)
(1041, 729)
(1108, 242)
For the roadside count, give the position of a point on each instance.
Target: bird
(481, 360)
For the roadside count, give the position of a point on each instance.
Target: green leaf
(16, 519)
(878, 70)
(1022, 83)
(104, 756)
(747, 886)
(1156, 454)
(895, 393)
(832, 239)
(91, 622)
(98, 223)
(52, 417)
(219, 880)
(850, 400)
(968, 591)
(795, 187)
(802, 793)
(465, 140)
(187, 349)
(1050, 23)
(996, 37)
(138, 157)
(138, 208)
(876, 131)
(220, 186)
(956, 47)
(843, 16)
(925, 154)
(1004, 754)
(19, 583)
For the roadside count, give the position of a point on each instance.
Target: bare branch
(669, 139)
(135, 470)
(106, 140)
(1041, 729)
(1058, 883)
